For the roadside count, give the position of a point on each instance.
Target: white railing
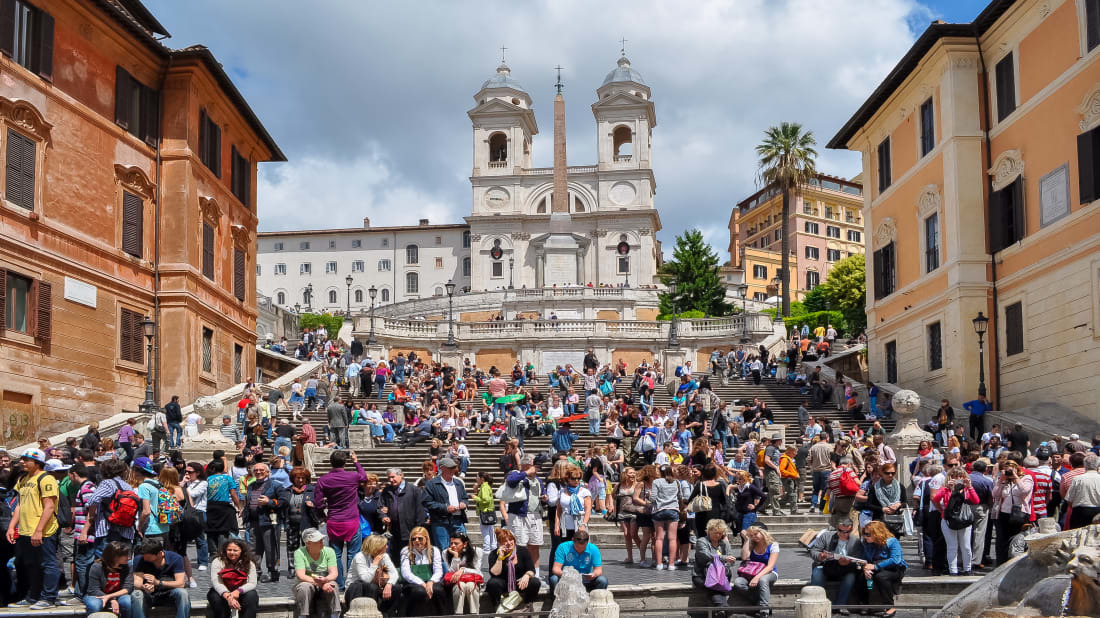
(549, 171)
(498, 164)
(623, 158)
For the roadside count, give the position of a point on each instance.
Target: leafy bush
(683, 315)
(332, 323)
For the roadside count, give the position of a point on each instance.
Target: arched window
(358, 296)
(332, 297)
(466, 239)
(438, 291)
(412, 283)
(623, 141)
(542, 205)
(466, 267)
(280, 298)
(385, 295)
(498, 148)
(578, 205)
(412, 254)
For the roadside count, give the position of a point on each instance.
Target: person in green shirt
(486, 511)
(315, 568)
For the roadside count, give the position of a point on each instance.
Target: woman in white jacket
(422, 576)
(373, 575)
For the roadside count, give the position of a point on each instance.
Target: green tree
(845, 290)
(694, 268)
(332, 323)
(787, 158)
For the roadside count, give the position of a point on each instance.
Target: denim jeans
(94, 604)
(821, 485)
(83, 557)
(844, 587)
(599, 583)
(594, 426)
(39, 566)
(141, 602)
(352, 548)
(441, 533)
(280, 441)
(175, 435)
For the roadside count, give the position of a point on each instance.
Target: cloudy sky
(368, 99)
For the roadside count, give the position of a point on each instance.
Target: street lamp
(148, 328)
(743, 290)
(981, 324)
(450, 345)
(511, 268)
(372, 292)
(297, 308)
(673, 337)
(309, 296)
(776, 281)
(347, 316)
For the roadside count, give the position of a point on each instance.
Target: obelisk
(559, 202)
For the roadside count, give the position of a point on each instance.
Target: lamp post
(372, 292)
(309, 296)
(297, 308)
(511, 268)
(347, 316)
(776, 281)
(673, 337)
(743, 290)
(981, 323)
(148, 328)
(450, 345)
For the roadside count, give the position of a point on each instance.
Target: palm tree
(787, 161)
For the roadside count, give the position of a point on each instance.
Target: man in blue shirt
(583, 556)
(977, 409)
(563, 439)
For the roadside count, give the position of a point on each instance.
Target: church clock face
(496, 253)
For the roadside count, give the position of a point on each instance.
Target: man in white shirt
(352, 374)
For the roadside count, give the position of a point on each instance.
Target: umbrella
(575, 417)
(510, 398)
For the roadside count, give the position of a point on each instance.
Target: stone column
(905, 442)
(812, 603)
(601, 604)
(452, 357)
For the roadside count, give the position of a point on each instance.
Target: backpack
(679, 370)
(959, 513)
(64, 511)
(168, 508)
(124, 507)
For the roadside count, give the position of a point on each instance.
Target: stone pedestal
(812, 603)
(376, 351)
(451, 357)
(363, 607)
(601, 604)
(359, 437)
(905, 443)
(211, 409)
(672, 358)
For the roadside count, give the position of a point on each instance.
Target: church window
(385, 295)
(498, 269)
(412, 283)
(624, 265)
(623, 141)
(358, 296)
(332, 297)
(498, 148)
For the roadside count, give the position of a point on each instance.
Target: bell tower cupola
(504, 124)
(625, 118)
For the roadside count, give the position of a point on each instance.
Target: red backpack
(124, 507)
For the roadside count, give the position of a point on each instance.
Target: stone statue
(208, 438)
(1058, 576)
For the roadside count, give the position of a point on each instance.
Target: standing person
(83, 553)
(1012, 505)
(977, 409)
(34, 532)
(194, 489)
(957, 521)
(125, 436)
(263, 503)
(158, 430)
(233, 582)
(486, 511)
(788, 473)
(574, 505)
(522, 511)
(159, 580)
(773, 479)
(316, 571)
(592, 407)
(337, 494)
(666, 498)
(222, 503)
(403, 510)
(983, 486)
(445, 500)
(338, 421)
(1084, 494)
(299, 514)
(821, 464)
(111, 524)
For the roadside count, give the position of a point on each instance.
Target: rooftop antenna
(623, 43)
(502, 50)
(559, 85)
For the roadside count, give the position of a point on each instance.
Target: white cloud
(368, 100)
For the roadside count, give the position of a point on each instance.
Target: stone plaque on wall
(561, 269)
(1054, 195)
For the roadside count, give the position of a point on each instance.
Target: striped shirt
(79, 510)
(102, 496)
(230, 431)
(1041, 494)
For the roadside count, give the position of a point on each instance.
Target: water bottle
(870, 583)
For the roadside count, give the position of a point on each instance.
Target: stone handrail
(494, 299)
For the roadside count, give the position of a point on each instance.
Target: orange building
(981, 156)
(128, 184)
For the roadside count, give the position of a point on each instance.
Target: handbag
(488, 518)
(907, 522)
(717, 577)
(509, 602)
(1018, 516)
(750, 569)
(701, 504)
(612, 517)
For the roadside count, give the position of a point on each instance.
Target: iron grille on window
(207, 350)
(935, 349)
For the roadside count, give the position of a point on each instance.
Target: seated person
(159, 580)
(836, 556)
(754, 582)
(233, 579)
(855, 408)
(885, 567)
(316, 573)
(583, 556)
(510, 569)
(712, 546)
(422, 576)
(373, 575)
(109, 584)
(463, 579)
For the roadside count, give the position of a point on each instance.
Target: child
(496, 432)
(597, 484)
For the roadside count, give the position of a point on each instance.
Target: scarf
(888, 494)
(511, 570)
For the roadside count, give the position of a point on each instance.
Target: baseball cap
(55, 465)
(312, 535)
(35, 454)
(447, 462)
(144, 464)
(1074, 436)
(1042, 453)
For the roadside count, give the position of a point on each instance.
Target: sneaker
(43, 604)
(202, 567)
(73, 601)
(672, 567)
(813, 509)
(193, 583)
(645, 564)
(660, 566)
(21, 604)
(66, 593)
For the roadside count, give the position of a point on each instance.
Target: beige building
(982, 154)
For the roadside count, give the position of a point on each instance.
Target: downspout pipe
(994, 318)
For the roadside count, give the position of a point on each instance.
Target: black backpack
(959, 514)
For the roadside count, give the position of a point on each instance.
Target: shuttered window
(931, 243)
(1092, 23)
(207, 350)
(208, 251)
(242, 177)
(891, 353)
(1006, 216)
(935, 347)
(130, 345)
(884, 170)
(1014, 329)
(238, 273)
(1006, 87)
(1088, 164)
(884, 275)
(927, 128)
(210, 143)
(238, 362)
(132, 224)
(19, 180)
(26, 306)
(26, 36)
(137, 107)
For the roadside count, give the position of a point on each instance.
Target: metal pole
(149, 404)
(370, 337)
(744, 320)
(347, 316)
(981, 364)
(451, 322)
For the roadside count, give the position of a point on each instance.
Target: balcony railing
(623, 158)
(498, 164)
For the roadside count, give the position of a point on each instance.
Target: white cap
(55, 465)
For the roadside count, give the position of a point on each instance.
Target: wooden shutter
(996, 220)
(20, 170)
(125, 352)
(123, 97)
(1014, 329)
(43, 329)
(876, 275)
(1092, 23)
(1006, 87)
(208, 251)
(150, 116)
(238, 273)
(45, 45)
(234, 174)
(132, 224)
(3, 299)
(1087, 164)
(215, 133)
(7, 27)
(204, 139)
(1018, 214)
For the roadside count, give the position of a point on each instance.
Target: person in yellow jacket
(486, 507)
(788, 472)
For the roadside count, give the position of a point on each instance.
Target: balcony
(623, 158)
(498, 164)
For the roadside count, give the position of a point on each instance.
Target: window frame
(890, 361)
(135, 338)
(23, 139)
(811, 227)
(305, 268)
(210, 143)
(817, 275)
(494, 267)
(885, 169)
(830, 229)
(623, 259)
(387, 263)
(412, 283)
(35, 54)
(927, 141)
(829, 252)
(207, 355)
(358, 266)
(931, 250)
(384, 295)
(1005, 85)
(1009, 200)
(208, 266)
(412, 254)
(1010, 350)
(934, 346)
(331, 267)
(757, 268)
(858, 238)
(882, 290)
(279, 270)
(813, 253)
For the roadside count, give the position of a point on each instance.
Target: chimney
(423, 222)
(366, 222)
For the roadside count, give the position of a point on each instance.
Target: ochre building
(981, 158)
(128, 190)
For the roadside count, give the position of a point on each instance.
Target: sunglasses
(888, 473)
(420, 538)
